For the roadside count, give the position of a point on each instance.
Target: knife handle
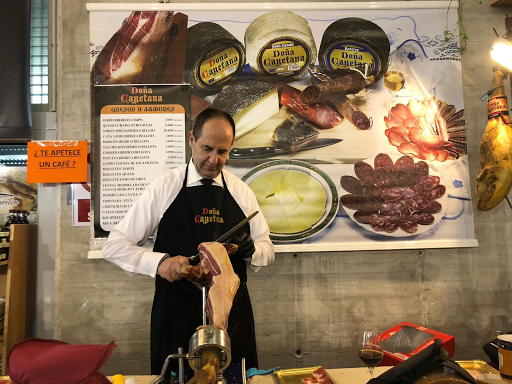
(245, 153)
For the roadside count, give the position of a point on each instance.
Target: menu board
(141, 134)
(350, 125)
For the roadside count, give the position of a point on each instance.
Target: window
(41, 33)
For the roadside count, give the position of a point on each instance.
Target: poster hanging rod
(269, 6)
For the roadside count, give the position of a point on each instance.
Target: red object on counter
(407, 339)
(54, 362)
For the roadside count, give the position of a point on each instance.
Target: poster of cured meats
(349, 119)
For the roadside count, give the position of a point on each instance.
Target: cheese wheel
(280, 44)
(353, 42)
(214, 57)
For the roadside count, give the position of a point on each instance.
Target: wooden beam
(501, 2)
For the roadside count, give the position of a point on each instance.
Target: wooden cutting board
(356, 144)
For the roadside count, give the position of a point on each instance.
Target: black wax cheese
(239, 96)
(353, 42)
(214, 57)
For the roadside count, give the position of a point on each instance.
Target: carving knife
(263, 152)
(194, 260)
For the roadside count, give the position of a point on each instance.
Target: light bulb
(502, 53)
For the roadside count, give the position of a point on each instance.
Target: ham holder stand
(206, 338)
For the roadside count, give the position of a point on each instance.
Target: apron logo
(209, 216)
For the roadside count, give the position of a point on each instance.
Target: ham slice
(319, 376)
(215, 270)
(124, 56)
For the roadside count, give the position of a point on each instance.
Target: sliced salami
(401, 207)
(419, 169)
(408, 226)
(383, 178)
(435, 193)
(413, 190)
(393, 193)
(417, 203)
(404, 163)
(370, 190)
(383, 161)
(351, 184)
(423, 218)
(434, 207)
(391, 227)
(428, 182)
(378, 222)
(390, 210)
(364, 171)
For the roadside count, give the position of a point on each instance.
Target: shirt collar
(194, 177)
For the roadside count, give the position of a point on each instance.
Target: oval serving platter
(443, 200)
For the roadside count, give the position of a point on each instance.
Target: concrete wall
(312, 303)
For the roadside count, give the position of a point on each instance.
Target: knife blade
(263, 152)
(194, 260)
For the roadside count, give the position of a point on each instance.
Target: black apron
(198, 214)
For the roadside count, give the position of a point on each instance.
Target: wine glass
(370, 349)
(394, 79)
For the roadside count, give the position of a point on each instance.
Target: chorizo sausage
(364, 172)
(351, 184)
(383, 160)
(322, 114)
(350, 111)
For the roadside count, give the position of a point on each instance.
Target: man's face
(211, 150)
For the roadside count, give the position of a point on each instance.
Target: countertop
(340, 376)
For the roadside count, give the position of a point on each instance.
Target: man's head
(210, 140)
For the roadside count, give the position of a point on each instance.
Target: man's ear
(191, 139)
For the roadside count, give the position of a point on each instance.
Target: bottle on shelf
(12, 218)
(24, 216)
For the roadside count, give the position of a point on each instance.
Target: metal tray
(295, 376)
(476, 367)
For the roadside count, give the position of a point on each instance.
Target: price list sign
(138, 142)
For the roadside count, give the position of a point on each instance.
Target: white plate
(443, 200)
(331, 206)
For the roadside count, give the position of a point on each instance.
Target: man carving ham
(174, 206)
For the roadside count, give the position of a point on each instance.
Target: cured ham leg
(215, 270)
(122, 58)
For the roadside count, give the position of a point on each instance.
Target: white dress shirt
(123, 246)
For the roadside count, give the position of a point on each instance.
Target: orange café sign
(57, 162)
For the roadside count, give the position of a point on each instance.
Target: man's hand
(245, 245)
(170, 269)
(246, 248)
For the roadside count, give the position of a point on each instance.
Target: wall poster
(350, 118)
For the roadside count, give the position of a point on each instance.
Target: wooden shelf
(18, 284)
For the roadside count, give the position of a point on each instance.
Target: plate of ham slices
(312, 375)
(394, 196)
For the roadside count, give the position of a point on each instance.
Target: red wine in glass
(370, 349)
